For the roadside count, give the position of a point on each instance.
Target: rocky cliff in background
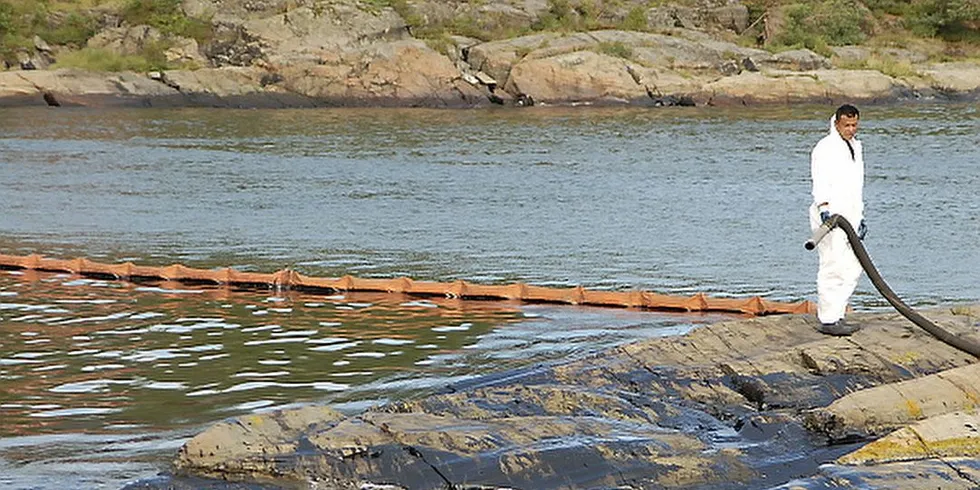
(310, 53)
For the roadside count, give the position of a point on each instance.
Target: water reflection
(100, 381)
(83, 355)
(76, 353)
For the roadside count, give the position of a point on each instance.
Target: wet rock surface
(759, 403)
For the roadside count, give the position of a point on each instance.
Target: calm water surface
(100, 381)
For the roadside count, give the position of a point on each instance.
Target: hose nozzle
(821, 232)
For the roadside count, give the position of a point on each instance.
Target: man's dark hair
(847, 110)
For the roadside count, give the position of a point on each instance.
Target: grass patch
(73, 5)
(375, 6)
(441, 43)
(814, 43)
(522, 51)
(94, 59)
(851, 64)
(954, 51)
(589, 15)
(884, 64)
(892, 67)
(616, 49)
(487, 27)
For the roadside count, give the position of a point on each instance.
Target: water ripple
(612, 200)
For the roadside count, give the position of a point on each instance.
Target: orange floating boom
(290, 279)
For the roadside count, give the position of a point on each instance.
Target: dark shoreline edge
(273, 100)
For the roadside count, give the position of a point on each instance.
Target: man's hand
(862, 230)
(824, 216)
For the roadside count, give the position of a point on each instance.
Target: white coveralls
(838, 180)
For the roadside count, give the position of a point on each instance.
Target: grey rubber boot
(838, 328)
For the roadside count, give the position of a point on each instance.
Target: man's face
(847, 126)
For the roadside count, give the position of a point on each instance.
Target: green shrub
(589, 15)
(560, 9)
(6, 19)
(841, 22)
(797, 30)
(559, 17)
(963, 35)
(636, 19)
(21, 20)
(945, 18)
(819, 25)
(616, 49)
(890, 7)
(11, 36)
(74, 29)
(168, 17)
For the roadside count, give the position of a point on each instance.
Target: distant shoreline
(393, 53)
(71, 88)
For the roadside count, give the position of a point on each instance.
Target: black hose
(964, 344)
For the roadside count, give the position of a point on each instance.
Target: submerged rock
(729, 405)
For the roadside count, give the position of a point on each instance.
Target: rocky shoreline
(346, 55)
(409, 74)
(757, 403)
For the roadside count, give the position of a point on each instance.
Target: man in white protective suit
(837, 169)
